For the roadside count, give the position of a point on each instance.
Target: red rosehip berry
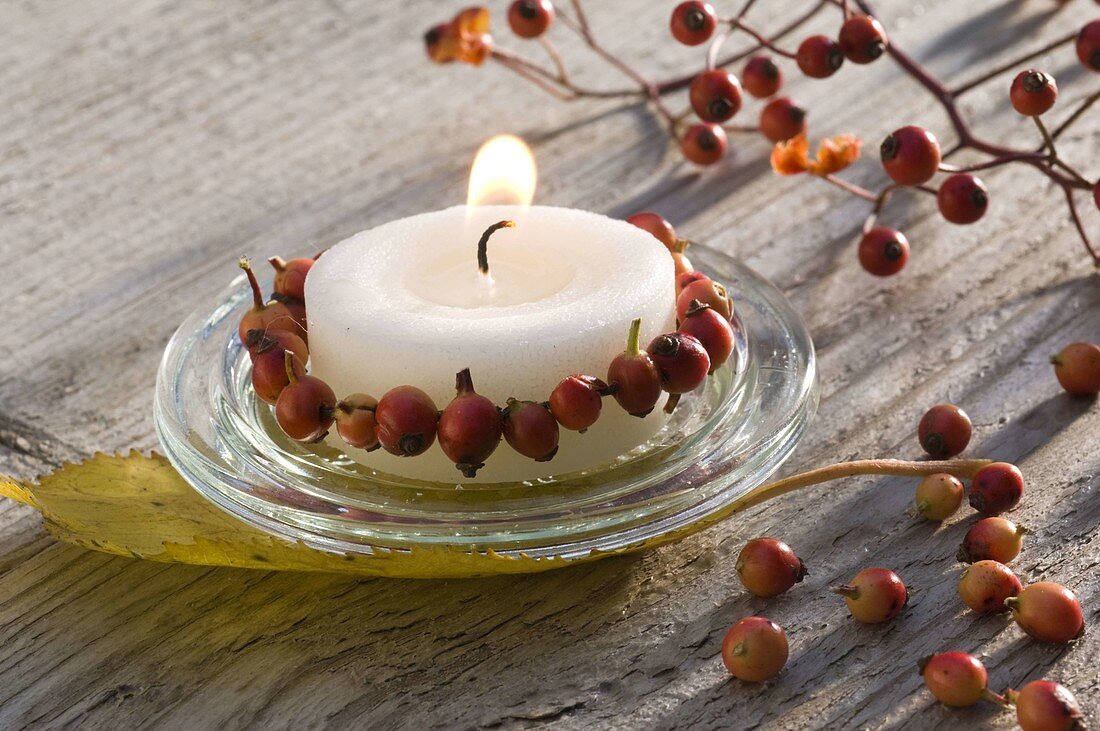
(761, 77)
(269, 372)
(704, 144)
(356, 423)
(469, 428)
(685, 278)
(768, 567)
(992, 539)
(530, 18)
(576, 402)
(290, 276)
(531, 430)
(693, 22)
(258, 339)
(819, 57)
(655, 224)
(263, 316)
(755, 649)
(1088, 46)
(997, 488)
(306, 407)
(883, 251)
(862, 39)
(1048, 612)
(715, 95)
(956, 679)
(407, 420)
(1033, 92)
(782, 119)
(708, 292)
(1044, 705)
(984, 586)
(710, 328)
(874, 595)
(962, 198)
(633, 376)
(938, 496)
(911, 155)
(944, 431)
(681, 361)
(1077, 367)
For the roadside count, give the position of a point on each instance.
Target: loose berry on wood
(768, 567)
(944, 431)
(1077, 367)
(1048, 612)
(956, 679)
(755, 649)
(984, 586)
(996, 488)
(938, 496)
(997, 539)
(1043, 705)
(874, 595)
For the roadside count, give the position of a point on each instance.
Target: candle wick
(483, 244)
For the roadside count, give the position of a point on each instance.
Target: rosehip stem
(257, 295)
(464, 382)
(633, 338)
(483, 244)
(957, 467)
(763, 40)
(288, 363)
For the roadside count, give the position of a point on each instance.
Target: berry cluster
(910, 156)
(406, 422)
(755, 648)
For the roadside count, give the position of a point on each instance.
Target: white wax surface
(404, 303)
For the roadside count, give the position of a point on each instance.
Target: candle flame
(503, 173)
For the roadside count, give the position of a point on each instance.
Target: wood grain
(145, 144)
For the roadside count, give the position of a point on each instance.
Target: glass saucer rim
(313, 530)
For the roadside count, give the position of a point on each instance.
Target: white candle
(405, 303)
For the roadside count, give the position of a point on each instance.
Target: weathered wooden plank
(145, 145)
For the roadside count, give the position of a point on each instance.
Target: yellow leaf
(139, 506)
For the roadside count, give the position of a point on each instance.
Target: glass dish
(722, 441)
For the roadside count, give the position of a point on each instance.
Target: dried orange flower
(791, 157)
(466, 38)
(835, 153)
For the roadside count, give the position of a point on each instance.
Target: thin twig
(1080, 226)
(852, 188)
(1011, 65)
(1081, 109)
